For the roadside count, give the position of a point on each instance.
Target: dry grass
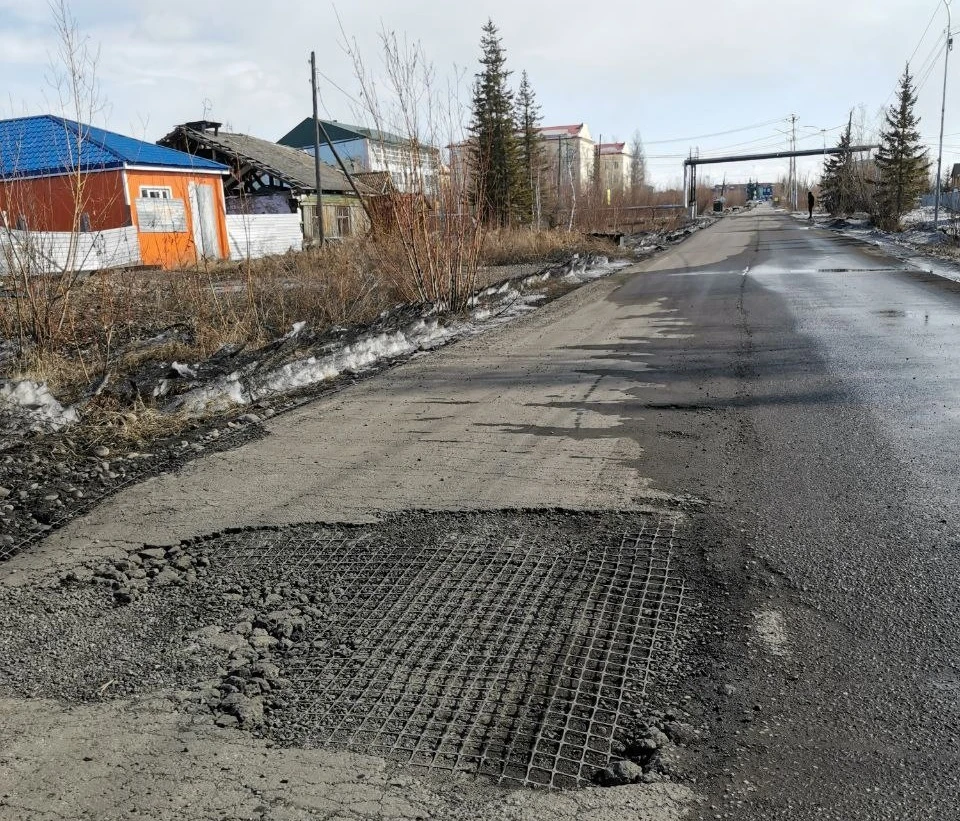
(137, 425)
(519, 246)
(119, 321)
(53, 367)
(112, 313)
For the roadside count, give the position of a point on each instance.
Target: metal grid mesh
(506, 655)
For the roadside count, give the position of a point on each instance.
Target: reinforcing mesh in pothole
(507, 654)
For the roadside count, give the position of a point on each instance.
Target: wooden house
(267, 178)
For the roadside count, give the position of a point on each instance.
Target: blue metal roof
(46, 145)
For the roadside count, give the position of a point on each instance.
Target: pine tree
(530, 153)
(495, 161)
(901, 160)
(838, 184)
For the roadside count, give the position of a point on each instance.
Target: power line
(931, 58)
(716, 134)
(346, 94)
(774, 142)
(929, 71)
(933, 17)
(925, 31)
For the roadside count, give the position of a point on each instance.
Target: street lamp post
(943, 114)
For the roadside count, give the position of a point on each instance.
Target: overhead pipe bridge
(691, 163)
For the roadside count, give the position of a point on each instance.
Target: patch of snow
(30, 405)
(602, 266)
(921, 215)
(915, 246)
(184, 370)
(295, 330)
(219, 394)
(492, 307)
(364, 353)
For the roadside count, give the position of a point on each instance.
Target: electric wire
(715, 134)
(929, 72)
(933, 17)
(925, 32)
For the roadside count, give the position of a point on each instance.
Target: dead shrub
(519, 246)
(115, 318)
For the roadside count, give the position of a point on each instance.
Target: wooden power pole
(316, 149)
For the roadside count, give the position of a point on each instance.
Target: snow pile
(185, 371)
(366, 352)
(915, 246)
(585, 270)
(510, 305)
(28, 405)
(491, 307)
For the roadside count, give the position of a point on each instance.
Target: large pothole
(518, 645)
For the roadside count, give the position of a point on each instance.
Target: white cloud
(669, 69)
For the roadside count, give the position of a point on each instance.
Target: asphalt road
(816, 403)
(795, 391)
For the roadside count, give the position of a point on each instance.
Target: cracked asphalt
(790, 393)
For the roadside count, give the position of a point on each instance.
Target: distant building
(568, 152)
(568, 158)
(615, 166)
(410, 164)
(749, 190)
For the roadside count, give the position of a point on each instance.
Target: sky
(717, 77)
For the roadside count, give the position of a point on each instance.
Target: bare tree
(47, 271)
(431, 219)
(638, 163)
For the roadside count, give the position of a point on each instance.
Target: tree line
(886, 187)
(505, 149)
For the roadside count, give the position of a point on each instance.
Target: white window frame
(156, 192)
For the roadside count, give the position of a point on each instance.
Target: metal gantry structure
(691, 163)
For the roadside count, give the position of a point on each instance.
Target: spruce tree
(495, 162)
(530, 153)
(901, 160)
(837, 186)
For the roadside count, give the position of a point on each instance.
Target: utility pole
(692, 192)
(316, 150)
(686, 190)
(596, 167)
(943, 113)
(793, 162)
(559, 165)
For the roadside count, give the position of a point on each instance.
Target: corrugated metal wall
(949, 200)
(259, 235)
(48, 252)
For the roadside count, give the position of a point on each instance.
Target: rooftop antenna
(207, 107)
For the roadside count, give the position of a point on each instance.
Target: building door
(204, 221)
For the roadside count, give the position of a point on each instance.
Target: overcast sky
(673, 70)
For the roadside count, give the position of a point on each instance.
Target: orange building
(59, 175)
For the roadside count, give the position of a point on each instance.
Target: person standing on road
(810, 203)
